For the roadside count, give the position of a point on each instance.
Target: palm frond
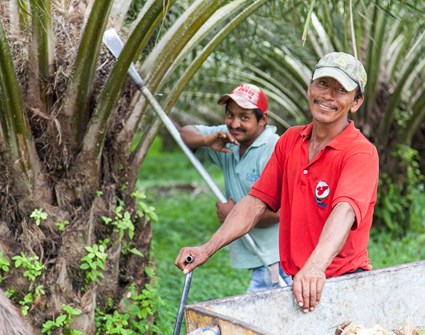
(75, 114)
(165, 52)
(16, 133)
(236, 12)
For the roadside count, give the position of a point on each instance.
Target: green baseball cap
(342, 67)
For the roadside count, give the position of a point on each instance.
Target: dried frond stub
(361, 330)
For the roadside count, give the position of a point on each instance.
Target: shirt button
(305, 171)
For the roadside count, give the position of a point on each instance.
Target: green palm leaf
(75, 114)
(15, 129)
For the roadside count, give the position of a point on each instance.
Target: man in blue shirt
(241, 148)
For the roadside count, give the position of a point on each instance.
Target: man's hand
(310, 280)
(240, 221)
(223, 209)
(218, 141)
(198, 255)
(308, 287)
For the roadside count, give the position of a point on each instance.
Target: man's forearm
(191, 137)
(333, 237)
(310, 280)
(241, 219)
(268, 219)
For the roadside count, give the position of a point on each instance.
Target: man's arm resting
(268, 219)
(216, 141)
(191, 137)
(310, 280)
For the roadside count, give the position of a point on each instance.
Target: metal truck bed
(390, 297)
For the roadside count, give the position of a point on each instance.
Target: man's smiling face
(242, 123)
(330, 102)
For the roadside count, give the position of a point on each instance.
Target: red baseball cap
(247, 96)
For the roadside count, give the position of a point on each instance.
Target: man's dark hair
(359, 93)
(257, 112)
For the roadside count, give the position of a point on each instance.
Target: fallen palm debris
(345, 329)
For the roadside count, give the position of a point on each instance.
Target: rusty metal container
(390, 297)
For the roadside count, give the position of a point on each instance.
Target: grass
(186, 210)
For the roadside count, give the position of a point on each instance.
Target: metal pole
(185, 293)
(115, 45)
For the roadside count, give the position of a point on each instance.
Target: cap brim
(241, 102)
(339, 75)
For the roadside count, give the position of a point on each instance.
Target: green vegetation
(122, 221)
(4, 265)
(63, 321)
(186, 211)
(61, 225)
(401, 204)
(134, 318)
(32, 265)
(38, 215)
(94, 263)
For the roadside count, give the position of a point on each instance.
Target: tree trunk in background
(68, 196)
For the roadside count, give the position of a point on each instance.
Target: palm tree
(74, 134)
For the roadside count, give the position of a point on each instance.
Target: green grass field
(186, 210)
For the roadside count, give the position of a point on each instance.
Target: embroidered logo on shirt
(322, 190)
(319, 203)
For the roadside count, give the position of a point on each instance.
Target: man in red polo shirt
(323, 177)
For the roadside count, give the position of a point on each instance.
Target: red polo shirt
(345, 170)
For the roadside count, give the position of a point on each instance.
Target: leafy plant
(28, 300)
(398, 199)
(10, 293)
(4, 265)
(114, 323)
(26, 303)
(38, 214)
(127, 248)
(39, 291)
(143, 209)
(62, 224)
(32, 265)
(94, 263)
(133, 320)
(122, 221)
(63, 322)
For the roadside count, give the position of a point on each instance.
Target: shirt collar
(340, 141)
(264, 136)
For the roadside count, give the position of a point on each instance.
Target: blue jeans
(261, 279)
